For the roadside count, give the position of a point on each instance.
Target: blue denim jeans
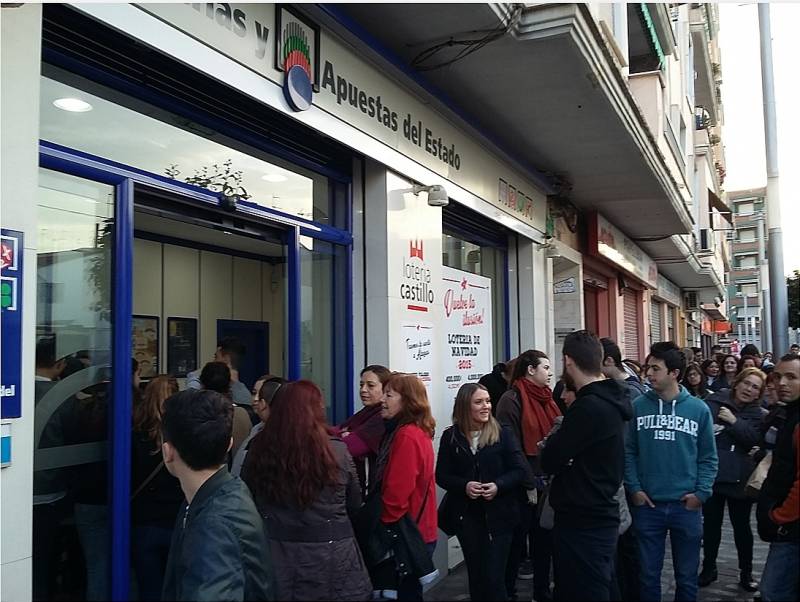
(91, 521)
(780, 580)
(685, 528)
(150, 548)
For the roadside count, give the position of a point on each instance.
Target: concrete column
(21, 41)
(376, 262)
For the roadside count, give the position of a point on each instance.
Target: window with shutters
(630, 307)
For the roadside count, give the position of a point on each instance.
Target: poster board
(181, 346)
(144, 340)
(466, 329)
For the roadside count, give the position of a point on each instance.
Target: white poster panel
(414, 231)
(418, 345)
(466, 329)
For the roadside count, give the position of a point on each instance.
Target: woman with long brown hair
(529, 410)
(305, 486)
(481, 467)
(695, 381)
(404, 466)
(156, 494)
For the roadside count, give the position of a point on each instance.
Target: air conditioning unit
(706, 239)
(690, 301)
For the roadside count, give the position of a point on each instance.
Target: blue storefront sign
(11, 322)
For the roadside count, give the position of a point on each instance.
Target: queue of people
(264, 500)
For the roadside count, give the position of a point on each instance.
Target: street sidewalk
(725, 589)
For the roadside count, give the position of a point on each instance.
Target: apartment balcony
(744, 247)
(705, 90)
(687, 264)
(548, 89)
(744, 273)
(752, 301)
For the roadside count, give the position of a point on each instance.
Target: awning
(717, 203)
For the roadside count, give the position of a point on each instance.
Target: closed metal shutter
(630, 309)
(656, 330)
(670, 323)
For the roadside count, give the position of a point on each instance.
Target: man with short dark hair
(219, 548)
(612, 368)
(795, 348)
(229, 351)
(670, 467)
(716, 350)
(778, 511)
(586, 455)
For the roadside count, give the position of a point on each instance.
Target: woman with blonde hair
(481, 467)
(156, 494)
(737, 417)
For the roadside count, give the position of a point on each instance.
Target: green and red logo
(297, 55)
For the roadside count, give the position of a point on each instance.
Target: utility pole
(763, 284)
(779, 305)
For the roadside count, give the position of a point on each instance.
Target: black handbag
(371, 535)
(450, 514)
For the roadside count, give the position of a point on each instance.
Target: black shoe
(747, 583)
(707, 577)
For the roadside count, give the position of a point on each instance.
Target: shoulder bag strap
(149, 478)
(424, 501)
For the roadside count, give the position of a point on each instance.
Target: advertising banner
(11, 323)
(466, 329)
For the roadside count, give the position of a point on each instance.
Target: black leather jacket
(219, 549)
(734, 442)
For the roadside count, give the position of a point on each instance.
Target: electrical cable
(468, 45)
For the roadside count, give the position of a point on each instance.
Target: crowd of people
(244, 494)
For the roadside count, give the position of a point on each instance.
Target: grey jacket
(314, 550)
(219, 548)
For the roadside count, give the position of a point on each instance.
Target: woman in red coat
(404, 466)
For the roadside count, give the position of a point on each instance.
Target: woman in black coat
(737, 417)
(481, 467)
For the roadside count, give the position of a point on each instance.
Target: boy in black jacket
(586, 455)
(219, 549)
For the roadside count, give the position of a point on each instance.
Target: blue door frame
(124, 179)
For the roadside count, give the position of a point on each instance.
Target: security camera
(437, 194)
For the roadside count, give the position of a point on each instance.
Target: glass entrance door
(73, 389)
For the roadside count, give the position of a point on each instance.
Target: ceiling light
(274, 177)
(73, 105)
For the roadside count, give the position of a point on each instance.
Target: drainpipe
(779, 306)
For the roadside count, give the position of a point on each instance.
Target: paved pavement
(725, 589)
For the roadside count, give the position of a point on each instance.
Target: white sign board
(363, 96)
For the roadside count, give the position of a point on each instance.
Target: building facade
(335, 187)
(749, 271)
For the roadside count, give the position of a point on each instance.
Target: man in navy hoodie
(586, 455)
(670, 467)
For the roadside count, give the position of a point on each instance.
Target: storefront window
(485, 260)
(119, 128)
(71, 549)
(323, 329)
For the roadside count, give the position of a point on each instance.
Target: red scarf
(538, 413)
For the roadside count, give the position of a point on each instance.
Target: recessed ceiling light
(274, 177)
(73, 105)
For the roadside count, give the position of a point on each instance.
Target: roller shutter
(656, 328)
(630, 308)
(670, 323)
